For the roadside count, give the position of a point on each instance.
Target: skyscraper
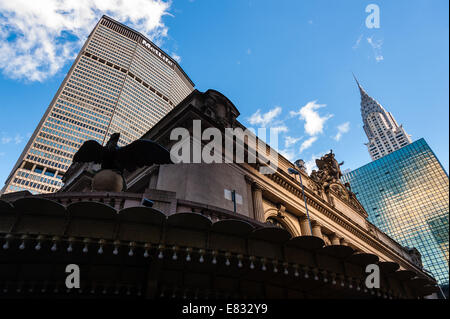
(406, 195)
(119, 82)
(384, 134)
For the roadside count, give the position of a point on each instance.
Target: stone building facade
(196, 242)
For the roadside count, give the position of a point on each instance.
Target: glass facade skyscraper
(119, 82)
(406, 194)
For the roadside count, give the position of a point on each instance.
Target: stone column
(335, 239)
(154, 178)
(258, 202)
(304, 226)
(316, 229)
(249, 181)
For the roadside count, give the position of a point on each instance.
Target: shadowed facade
(193, 242)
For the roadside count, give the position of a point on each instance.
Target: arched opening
(278, 222)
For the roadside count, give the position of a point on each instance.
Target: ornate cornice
(334, 215)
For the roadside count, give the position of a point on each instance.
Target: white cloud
(176, 57)
(313, 121)
(308, 143)
(311, 163)
(264, 119)
(37, 38)
(342, 129)
(376, 47)
(2, 154)
(18, 139)
(6, 139)
(289, 154)
(289, 140)
(279, 129)
(249, 51)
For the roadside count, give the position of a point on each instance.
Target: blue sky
(271, 58)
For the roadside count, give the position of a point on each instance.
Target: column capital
(335, 235)
(258, 186)
(250, 180)
(258, 204)
(302, 217)
(335, 239)
(315, 223)
(316, 228)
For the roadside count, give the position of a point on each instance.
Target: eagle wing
(142, 153)
(90, 151)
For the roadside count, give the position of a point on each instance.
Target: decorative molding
(335, 216)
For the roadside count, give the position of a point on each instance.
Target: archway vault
(284, 221)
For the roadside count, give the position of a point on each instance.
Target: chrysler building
(384, 134)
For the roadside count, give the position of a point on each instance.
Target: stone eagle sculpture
(114, 160)
(137, 154)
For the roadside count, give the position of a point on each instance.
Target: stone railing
(116, 200)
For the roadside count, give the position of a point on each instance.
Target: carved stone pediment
(340, 191)
(346, 195)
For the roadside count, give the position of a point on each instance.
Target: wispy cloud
(342, 129)
(376, 47)
(37, 38)
(18, 139)
(6, 139)
(314, 122)
(290, 141)
(264, 119)
(280, 129)
(288, 153)
(358, 42)
(308, 143)
(176, 57)
(311, 163)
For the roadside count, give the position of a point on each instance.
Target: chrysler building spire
(384, 134)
